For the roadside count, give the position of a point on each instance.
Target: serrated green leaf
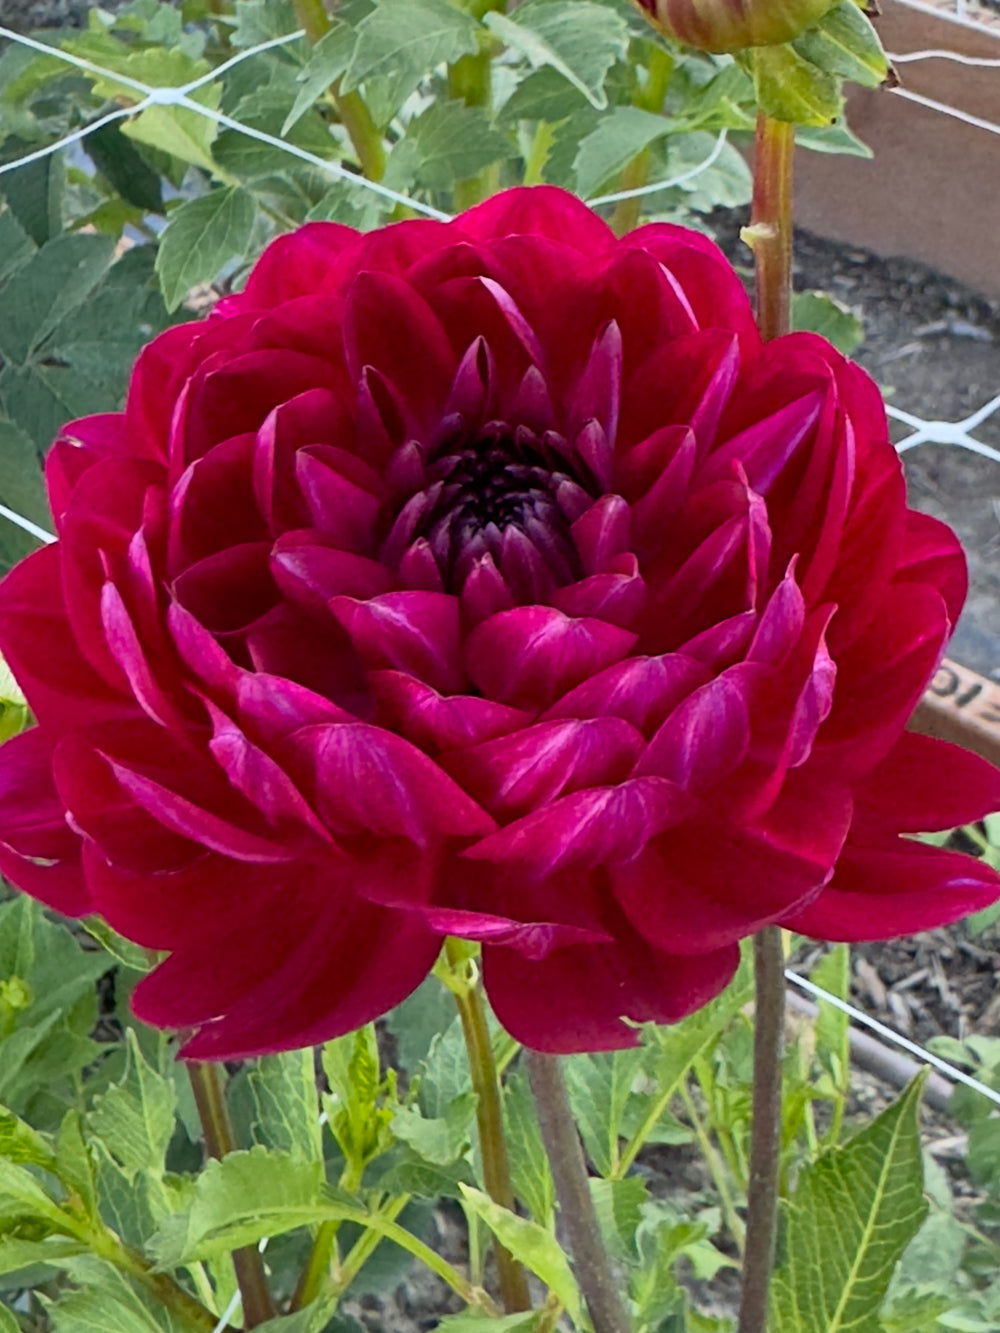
(832, 972)
(578, 38)
(418, 1020)
(454, 142)
(109, 1303)
(8, 1324)
(599, 1088)
(529, 1163)
(22, 489)
(531, 1244)
(524, 1321)
(35, 192)
(543, 95)
(135, 1118)
(179, 131)
(16, 1253)
(73, 1163)
(328, 60)
(820, 313)
(16, 246)
(793, 89)
(852, 1215)
(403, 40)
(286, 1105)
(618, 1204)
(831, 139)
(621, 134)
(441, 1140)
(21, 1195)
(203, 235)
(844, 42)
(20, 1143)
(258, 21)
(122, 950)
(242, 1198)
(41, 399)
(43, 290)
(125, 169)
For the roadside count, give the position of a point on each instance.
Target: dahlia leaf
(41, 398)
(259, 21)
(579, 39)
(531, 1244)
(819, 313)
(618, 1204)
(135, 1118)
(44, 290)
(454, 142)
(470, 1321)
(184, 134)
(402, 40)
(542, 95)
(531, 1174)
(853, 1213)
(844, 42)
(327, 61)
(243, 1198)
(16, 246)
(439, 1140)
(286, 1105)
(108, 1302)
(600, 1086)
(23, 490)
(791, 88)
(74, 1164)
(202, 236)
(620, 135)
(35, 194)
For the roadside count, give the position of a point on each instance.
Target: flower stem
(576, 1205)
(354, 115)
(210, 1098)
(770, 232)
(463, 981)
(765, 1134)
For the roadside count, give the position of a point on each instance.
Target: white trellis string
(896, 1038)
(965, 116)
(641, 190)
(940, 53)
(237, 1297)
(13, 517)
(947, 432)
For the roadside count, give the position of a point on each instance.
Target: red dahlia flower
(488, 579)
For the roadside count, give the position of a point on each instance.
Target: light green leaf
(73, 1162)
(16, 246)
(8, 1324)
(791, 88)
(21, 1195)
(621, 134)
(16, 1253)
(286, 1105)
(853, 1213)
(529, 1163)
(579, 38)
(122, 950)
(242, 1198)
(530, 1243)
(402, 40)
(831, 139)
(35, 193)
(109, 1303)
(43, 290)
(441, 1140)
(327, 61)
(155, 66)
(599, 1088)
(543, 95)
(178, 130)
(20, 1143)
(523, 1321)
(22, 488)
(418, 1020)
(818, 312)
(618, 1204)
(844, 42)
(258, 21)
(454, 142)
(832, 972)
(135, 1118)
(202, 236)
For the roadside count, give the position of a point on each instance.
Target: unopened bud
(732, 25)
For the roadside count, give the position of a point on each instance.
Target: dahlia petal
(131, 656)
(230, 590)
(308, 418)
(471, 393)
(705, 737)
(199, 525)
(932, 554)
(37, 642)
(642, 690)
(484, 592)
(765, 448)
(192, 821)
(598, 985)
(596, 448)
(880, 892)
(38, 851)
(781, 623)
(530, 655)
(295, 265)
(79, 446)
(689, 381)
(438, 722)
(419, 570)
(368, 780)
(705, 885)
(534, 939)
(311, 573)
(672, 452)
(924, 784)
(412, 350)
(417, 632)
(602, 533)
(523, 567)
(200, 651)
(598, 393)
(517, 773)
(340, 509)
(541, 210)
(273, 706)
(261, 780)
(532, 405)
(595, 827)
(616, 597)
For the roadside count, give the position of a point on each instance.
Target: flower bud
(731, 25)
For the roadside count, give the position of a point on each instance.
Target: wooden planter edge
(963, 707)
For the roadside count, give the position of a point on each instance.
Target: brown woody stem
(576, 1205)
(210, 1098)
(770, 231)
(765, 1134)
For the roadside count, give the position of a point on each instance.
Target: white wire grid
(922, 432)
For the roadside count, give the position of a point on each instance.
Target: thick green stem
(463, 982)
(210, 1098)
(716, 1167)
(576, 1205)
(354, 115)
(627, 211)
(765, 1134)
(770, 232)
